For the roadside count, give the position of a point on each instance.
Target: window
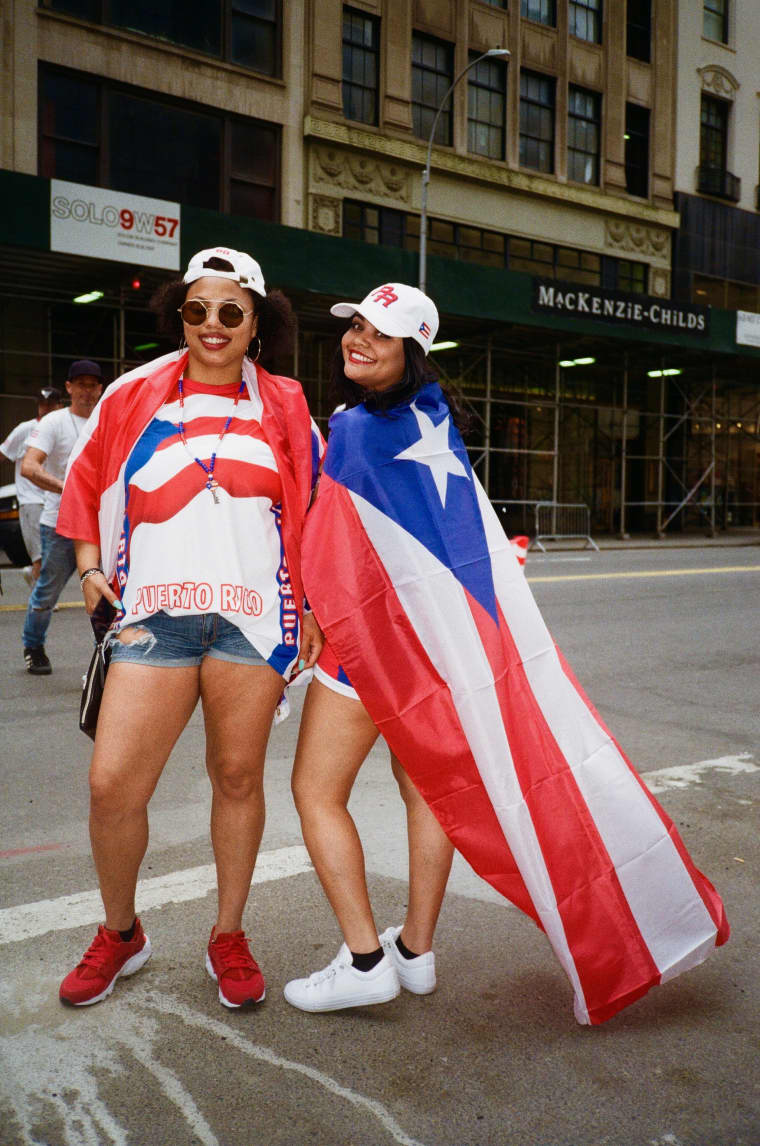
(245, 32)
(94, 132)
(69, 145)
(586, 20)
(547, 261)
(397, 229)
(713, 135)
(432, 74)
(540, 11)
(486, 108)
(373, 224)
(361, 41)
(584, 119)
(638, 30)
(715, 20)
(578, 266)
(637, 150)
(713, 176)
(536, 121)
(254, 36)
(624, 275)
(631, 277)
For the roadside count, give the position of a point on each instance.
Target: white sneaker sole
(130, 967)
(224, 1001)
(344, 1002)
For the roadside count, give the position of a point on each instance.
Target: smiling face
(371, 359)
(216, 351)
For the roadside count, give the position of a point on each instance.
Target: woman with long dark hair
(380, 365)
(429, 618)
(186, 501)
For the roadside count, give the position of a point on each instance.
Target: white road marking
(54, 1069)
(167, 1005)
(682, 775)
(29, 920)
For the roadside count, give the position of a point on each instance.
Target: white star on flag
(432, 450)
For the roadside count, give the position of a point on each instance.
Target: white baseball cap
(397, 310)
(246, 270)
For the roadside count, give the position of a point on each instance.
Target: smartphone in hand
(102, 618)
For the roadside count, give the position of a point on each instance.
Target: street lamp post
(426, 172)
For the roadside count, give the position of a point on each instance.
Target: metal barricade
(556, 521)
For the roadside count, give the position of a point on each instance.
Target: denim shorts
(181, 642)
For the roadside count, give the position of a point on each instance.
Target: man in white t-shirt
(28, 495)
(50, 444)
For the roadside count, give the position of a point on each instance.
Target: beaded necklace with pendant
(212, 485)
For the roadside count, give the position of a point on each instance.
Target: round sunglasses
(195, 311)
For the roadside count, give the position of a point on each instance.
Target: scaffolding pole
(624, 536)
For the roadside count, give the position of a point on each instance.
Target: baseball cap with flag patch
(245, 270)
(398, 310)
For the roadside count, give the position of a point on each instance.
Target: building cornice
(483, 171)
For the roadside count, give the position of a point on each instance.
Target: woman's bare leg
(144, 710)
(430, 856)
(336, 735)
(238, 708)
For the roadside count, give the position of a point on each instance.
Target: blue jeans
(180, 642)
(58, 563)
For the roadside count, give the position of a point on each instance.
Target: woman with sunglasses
(186, 500)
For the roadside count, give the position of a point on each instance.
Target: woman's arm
(312, 640)
(96, 585)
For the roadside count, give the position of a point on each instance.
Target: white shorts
(330, 672)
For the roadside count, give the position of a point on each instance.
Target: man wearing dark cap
(28, 495)
(50, 444)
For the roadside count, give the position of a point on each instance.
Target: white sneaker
(341, 985)
(416, 975)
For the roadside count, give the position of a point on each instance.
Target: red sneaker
(230, 964)
(107, 957)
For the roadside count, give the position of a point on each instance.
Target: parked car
(10, 530)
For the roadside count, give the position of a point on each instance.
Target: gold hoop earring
(258, 351)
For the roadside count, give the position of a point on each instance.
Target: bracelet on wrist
(89, 573)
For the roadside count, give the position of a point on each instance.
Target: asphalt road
(665, 643)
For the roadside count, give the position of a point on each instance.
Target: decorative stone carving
(659, 282)
(719, 81)
(360, 174)
(326, 215)
(621, 235)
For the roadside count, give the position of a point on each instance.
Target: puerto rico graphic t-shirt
(182, 551)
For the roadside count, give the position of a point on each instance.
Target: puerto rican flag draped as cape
(422, 600)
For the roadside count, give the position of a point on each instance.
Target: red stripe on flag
(404, 695)
(712, 901)
(611, 957)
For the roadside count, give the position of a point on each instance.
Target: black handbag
(95, 678)
(92, 688)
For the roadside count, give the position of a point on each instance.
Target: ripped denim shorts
(180, 642)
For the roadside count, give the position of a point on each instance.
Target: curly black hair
(277, 323)
(418, 371)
